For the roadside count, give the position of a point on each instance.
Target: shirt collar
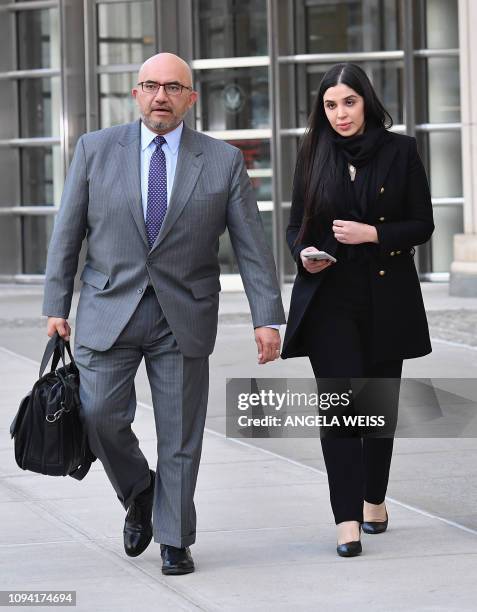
(172, 138)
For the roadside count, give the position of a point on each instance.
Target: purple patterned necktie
(156, 192)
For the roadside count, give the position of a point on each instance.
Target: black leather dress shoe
(176, 561)
(350, 549)
(375, 526)
(138, 525)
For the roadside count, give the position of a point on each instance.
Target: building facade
(67, 66)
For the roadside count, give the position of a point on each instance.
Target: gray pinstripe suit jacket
(102, 201)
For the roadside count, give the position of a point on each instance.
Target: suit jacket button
(398, 252)
(140, 290)
(381, 190)
(392, 253)
(382, 272)
(381, 218)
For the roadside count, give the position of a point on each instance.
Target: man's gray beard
(158, 125)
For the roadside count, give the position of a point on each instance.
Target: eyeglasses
(171, 89)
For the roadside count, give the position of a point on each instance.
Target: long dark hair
(317, 157)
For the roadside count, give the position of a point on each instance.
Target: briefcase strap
(56, 348)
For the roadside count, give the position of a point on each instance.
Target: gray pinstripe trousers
(179, 387)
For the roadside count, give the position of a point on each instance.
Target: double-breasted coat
(401, 211)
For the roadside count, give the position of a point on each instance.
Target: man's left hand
(268, 344)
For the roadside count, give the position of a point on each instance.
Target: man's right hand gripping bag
(49, 435)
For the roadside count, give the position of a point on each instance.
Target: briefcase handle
(56, 348)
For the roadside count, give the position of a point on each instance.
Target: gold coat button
(392, 253)
(381, 190)
(382, 272)
(398, 252)
(381, 218)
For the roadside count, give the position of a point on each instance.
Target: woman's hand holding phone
(313, 266)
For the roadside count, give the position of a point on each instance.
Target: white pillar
(463, 278)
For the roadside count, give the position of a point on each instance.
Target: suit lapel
(188, 169)
(130, 168)
(385, 158)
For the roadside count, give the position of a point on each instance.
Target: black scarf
(352, 198)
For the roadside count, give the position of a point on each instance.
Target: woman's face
(344, 109)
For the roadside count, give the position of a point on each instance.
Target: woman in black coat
(360, 194)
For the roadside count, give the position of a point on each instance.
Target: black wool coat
(402, 214)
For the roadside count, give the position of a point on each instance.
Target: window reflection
(256, 153)
(442, 27)
(236, 98)
(230, 28)
(38, 39)
(40, 107)
(442, 151)
(116, 103)
(448, 221)
(445, 163)
(353, 25)
(125, 32)
(36, 234)
(439, 102)
(37, 182)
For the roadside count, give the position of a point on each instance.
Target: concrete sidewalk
(266, 537)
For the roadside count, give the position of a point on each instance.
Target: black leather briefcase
(49, 435)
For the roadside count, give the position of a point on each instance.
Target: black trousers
(338, 328)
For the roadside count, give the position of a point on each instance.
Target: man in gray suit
(152, 198)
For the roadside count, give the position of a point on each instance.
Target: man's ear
(193, 98)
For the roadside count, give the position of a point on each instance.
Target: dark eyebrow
(168, 82)
(346, 98)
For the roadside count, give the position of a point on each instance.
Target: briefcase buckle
(51, 418)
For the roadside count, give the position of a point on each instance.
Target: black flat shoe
(137, 530)
(350, 549)
(176, 561)
(375, 526)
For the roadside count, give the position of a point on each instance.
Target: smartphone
(319, 256)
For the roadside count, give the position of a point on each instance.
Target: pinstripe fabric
(179, 388)
(102, 196)
(117, 324)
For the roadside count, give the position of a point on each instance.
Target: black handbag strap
(56, 348)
